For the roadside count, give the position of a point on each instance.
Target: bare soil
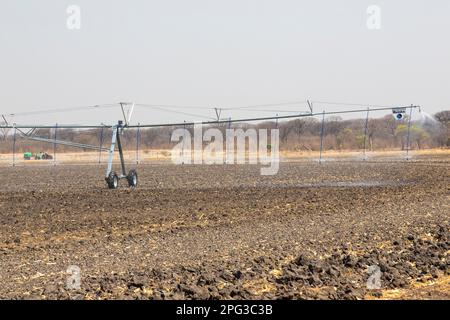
(225, 232)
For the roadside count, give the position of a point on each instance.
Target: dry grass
(163, 155)
(359, 154)
(418, 290)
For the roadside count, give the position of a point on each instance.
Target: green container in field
(27, 155)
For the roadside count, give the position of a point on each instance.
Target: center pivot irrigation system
(112, 178)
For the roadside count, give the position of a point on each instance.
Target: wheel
(132, 179)
(112, 180)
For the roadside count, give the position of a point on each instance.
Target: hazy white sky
(220, 53)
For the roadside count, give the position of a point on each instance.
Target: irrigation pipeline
(209, 122)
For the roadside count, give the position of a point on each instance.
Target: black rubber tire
(112, 180)
(132, 178)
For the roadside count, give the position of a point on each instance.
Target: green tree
(416, 135)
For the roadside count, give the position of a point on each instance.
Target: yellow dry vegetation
(258, 286)
(437, 288)
(164, 155)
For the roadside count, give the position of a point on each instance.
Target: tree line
(302, 134)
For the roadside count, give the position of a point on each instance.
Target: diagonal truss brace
(116, 140)
(29, 135)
